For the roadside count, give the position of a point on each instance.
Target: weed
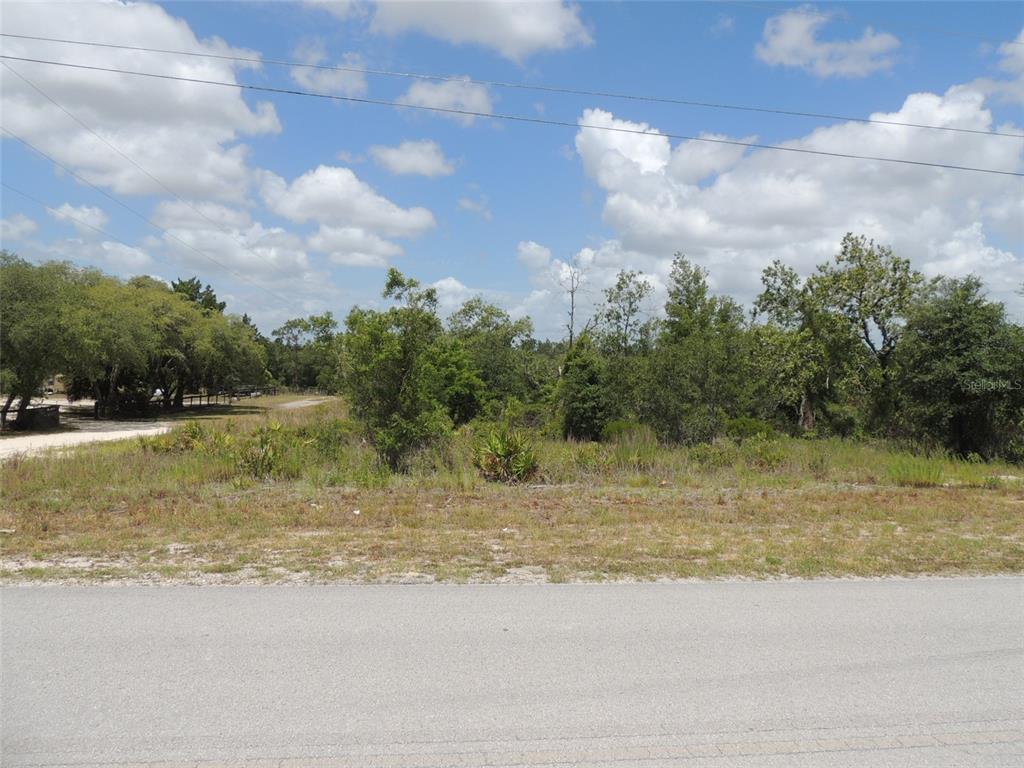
(506, 456)
(763, 452)
(916, 472)
(635, 449)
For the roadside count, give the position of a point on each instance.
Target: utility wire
(157, 181)
(150, 222)
(51, 209)
(519, 118)
(517, 86)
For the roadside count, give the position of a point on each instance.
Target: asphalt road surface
(826, 673)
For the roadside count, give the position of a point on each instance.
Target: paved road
(829, 673)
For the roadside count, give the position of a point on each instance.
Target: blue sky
(297, 205)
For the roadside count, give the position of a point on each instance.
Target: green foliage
(453, 379)
(634, 446)
(205, 298)
(915, 472)
(744, 427)
(495, 345)
(304, 352)
(873, 289)
(395, 377)
(506, 456)
(763, 452)
(714, 455)
(962, 371)
(36, 337)
(622, 329)
(699, 373)
(584, 399)
(862, 348)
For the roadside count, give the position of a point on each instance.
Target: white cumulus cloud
(533, 256)
(345, 81)
(337, 197)
(354, 246)
(17, 227)
(792, 39)
(85, 218)
(457, 94)
(735, 211)
(413, 158)
(515, 30)
(184, 135)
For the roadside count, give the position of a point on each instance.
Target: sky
(292, 205)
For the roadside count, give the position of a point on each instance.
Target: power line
(519, 118)
(519, 86)
(75, 219)
(157, 181)
(143, 216)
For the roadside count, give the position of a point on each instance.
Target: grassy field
(285, 495)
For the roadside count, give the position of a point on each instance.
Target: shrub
(585, 404)
(331, 436)
(261, 456)
(744, 427)
(506, 456)
(763, 452)
(190, 436)
(713, 455)
(842, 420)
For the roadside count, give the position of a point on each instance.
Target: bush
(843, 420)
(181, 439)
(713, 455)
(506, 456)
(763, 452)
(585, 404)
(331, 437)
(261, 457)
(744, 427)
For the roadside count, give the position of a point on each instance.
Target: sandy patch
(303, 403)
(30, 445)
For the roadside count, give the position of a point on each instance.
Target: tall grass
(321, 447)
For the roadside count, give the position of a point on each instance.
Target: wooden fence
(212, 398)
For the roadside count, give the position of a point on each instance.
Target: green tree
(453, 379)
(118, 333)
(35, 339)
(494, 342)
(205, 298)
(621, 325)
(625, 335)
(306, 351)
(391, 383)
(806, 351)
(583, 393)
(872, 288)
(961, 372)
(699, 372)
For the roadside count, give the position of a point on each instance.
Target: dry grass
(795, 508)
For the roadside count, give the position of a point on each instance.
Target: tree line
(864, 347)
(121, 343)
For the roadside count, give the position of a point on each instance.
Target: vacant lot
(297, 495)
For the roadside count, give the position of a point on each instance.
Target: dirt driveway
(79, 430)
